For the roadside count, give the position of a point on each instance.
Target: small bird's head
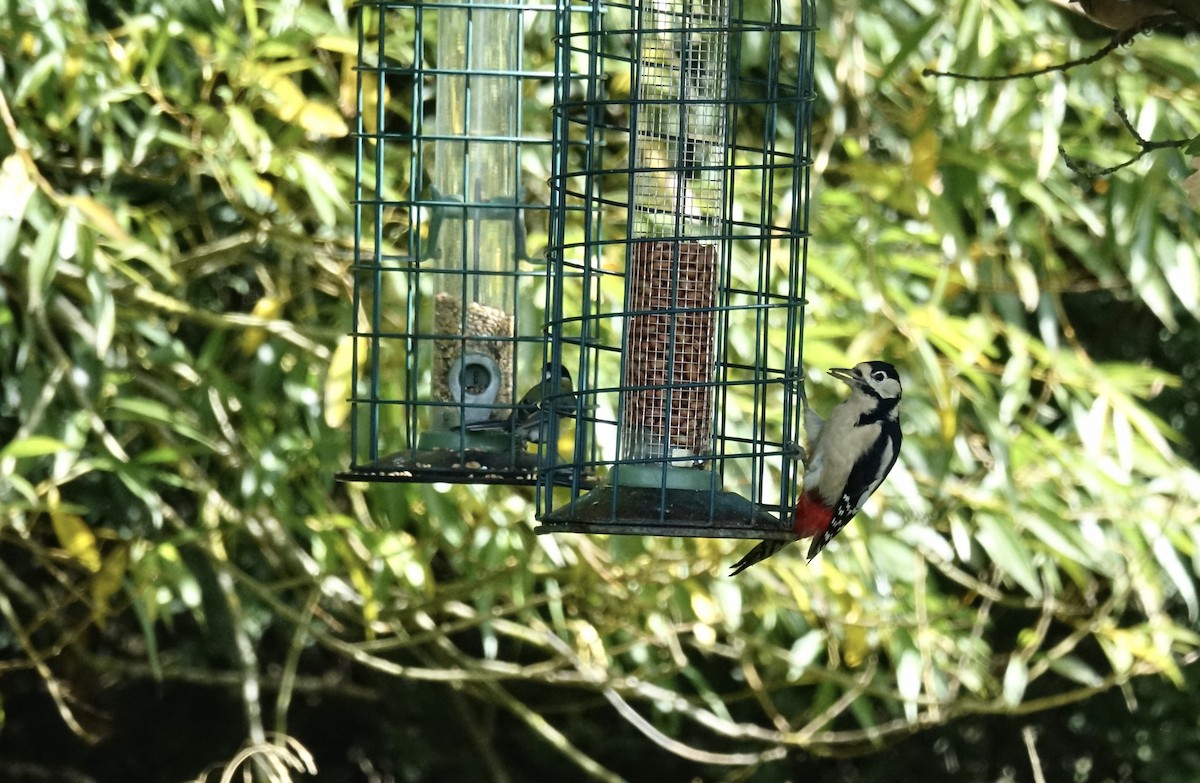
(565, 385)
(538, 393)
(878, 379)
(548, 372)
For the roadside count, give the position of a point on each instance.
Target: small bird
(531, 414)
(851, 455)
(1124, 14)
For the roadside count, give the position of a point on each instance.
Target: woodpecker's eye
(878, 376)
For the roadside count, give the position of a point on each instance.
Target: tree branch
(1147, 146)
(1119, 39)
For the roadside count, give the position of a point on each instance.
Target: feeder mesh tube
(670, 343)
(682, 113)
(476, 184)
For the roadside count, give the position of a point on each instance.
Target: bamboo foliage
(174, 294)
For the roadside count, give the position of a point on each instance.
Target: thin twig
(1031, 745)
(1119, 39)
(291, 665)
(1147, 146)
(923, 631)
(552, 735)
(57, 692)
(750, 672)
(839, 706)
(479, 738)
(325, 685)
(601, 677)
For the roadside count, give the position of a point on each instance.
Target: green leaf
(1016, 680)
(1008, 552)
(322, 189)
(77, 538)
(1184, 582)
(1073, 668)
(33, 446)
(908, 681)
(909, 44)
(18, 188)
(803, 653)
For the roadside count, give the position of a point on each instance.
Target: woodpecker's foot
(796, 450)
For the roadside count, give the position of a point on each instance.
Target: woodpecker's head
(876, 379)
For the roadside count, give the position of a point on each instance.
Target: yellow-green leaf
(108, 581)
(77, 538)
(98, 216)
(343, 44)
(267, 308)
(318, 119)
(33, 446)
(339, 380)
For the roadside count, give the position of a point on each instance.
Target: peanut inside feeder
(669, 364)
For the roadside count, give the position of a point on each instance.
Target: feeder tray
(682, 504)
(476, 458)
(492, 463)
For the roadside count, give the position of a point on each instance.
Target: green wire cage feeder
(454, 151)
(679, 225)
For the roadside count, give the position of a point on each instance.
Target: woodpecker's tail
(811, 518)
(761, 552)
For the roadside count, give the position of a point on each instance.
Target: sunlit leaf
(1185, 582)
(339, 380)
(908, 681)
(108, 581)
(1073, 668)
(1016, 679)
(33, 446)
(266, 308)
(321, 188)
(19, 187)
(343, 44)
(76, 538)
(98, 216)
(320, 119)
(1007, 551)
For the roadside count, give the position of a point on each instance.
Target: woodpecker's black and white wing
(868, 473)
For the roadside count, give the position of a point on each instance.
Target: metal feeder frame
(444, 289)
(682, 298)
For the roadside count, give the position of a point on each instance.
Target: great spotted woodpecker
(851, 455)
(532, 412)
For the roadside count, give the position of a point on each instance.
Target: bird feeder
(454, 148)
(679, 226)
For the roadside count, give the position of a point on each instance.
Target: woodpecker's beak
(845, 375)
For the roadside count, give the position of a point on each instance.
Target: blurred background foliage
(180, 576)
